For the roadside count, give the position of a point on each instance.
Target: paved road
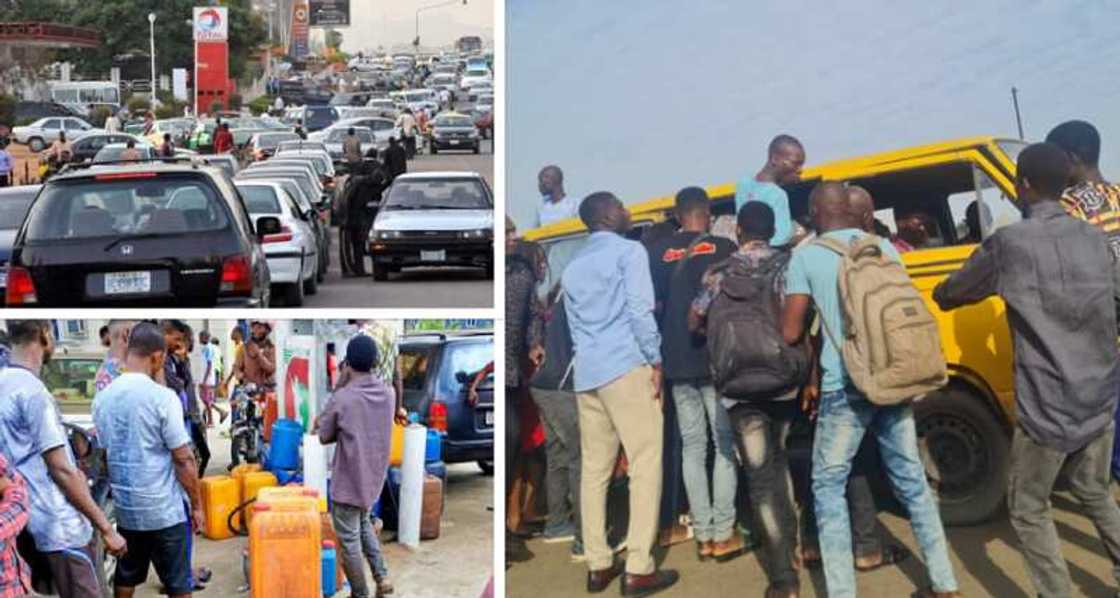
(985, 559)
(458, 563)
(419, 287)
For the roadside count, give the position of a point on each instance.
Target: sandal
(892, 555)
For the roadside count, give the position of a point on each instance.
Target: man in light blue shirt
(6, 164)
(556, 204)
(152, 469)
(35, 442)
(845, 415)
(783, 167)
(609, 300)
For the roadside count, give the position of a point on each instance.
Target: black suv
(172, 232)
(437, 373)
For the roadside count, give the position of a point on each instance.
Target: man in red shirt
(223, 140)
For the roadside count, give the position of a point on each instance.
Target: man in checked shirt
(15, 576)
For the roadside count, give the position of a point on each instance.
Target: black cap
(361, 353)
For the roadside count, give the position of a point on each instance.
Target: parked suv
(437, 373)
(154, 233)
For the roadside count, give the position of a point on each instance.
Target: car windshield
(301, 145)
(314, 164)
(453, 121)
(300, 179)
(13, 208)
(259, 199)
(339, 135)
(109, 205)
(462, 194)
(271, 140)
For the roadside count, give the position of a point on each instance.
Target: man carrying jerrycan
(359, 418)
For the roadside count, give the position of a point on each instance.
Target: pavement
(458, 563)
(986, 561)
(415, 287)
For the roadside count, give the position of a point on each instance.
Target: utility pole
(1018, 117)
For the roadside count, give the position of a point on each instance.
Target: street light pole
(152, 51)
(416, 40)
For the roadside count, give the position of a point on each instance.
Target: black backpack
(749, 358)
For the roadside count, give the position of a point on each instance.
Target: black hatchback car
(437, 373)
(150, 233)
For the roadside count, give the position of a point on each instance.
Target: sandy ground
(985, 558)
(458, 563)
(26, 167)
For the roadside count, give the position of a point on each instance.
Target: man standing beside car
(1060, 281)
(34, 441)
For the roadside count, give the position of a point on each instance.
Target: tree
(333, 39)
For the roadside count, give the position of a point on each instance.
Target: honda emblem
(126, 249)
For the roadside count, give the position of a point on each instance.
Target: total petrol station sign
(301, 29)
(211, 24)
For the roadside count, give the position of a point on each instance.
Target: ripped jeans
(761, 429)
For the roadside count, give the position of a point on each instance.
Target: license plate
(121, 283)
(454, 142)
(488, 417)
(433, 256)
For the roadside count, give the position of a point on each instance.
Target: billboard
(211, 24)
(330, 13)
(301, 30)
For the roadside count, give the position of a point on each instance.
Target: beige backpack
(891, 345)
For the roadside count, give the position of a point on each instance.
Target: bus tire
(966, 452)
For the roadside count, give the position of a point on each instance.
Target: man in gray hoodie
(359, 418)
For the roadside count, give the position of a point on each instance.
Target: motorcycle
(246, 424)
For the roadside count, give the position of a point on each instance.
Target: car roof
(157, 167)
(19, 190)
(439, 174)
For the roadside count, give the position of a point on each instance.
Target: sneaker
(384, 586)
(577, 552)
(564, 533)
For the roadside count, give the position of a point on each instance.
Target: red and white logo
(211, 23)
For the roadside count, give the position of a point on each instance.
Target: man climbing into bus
(785, 157)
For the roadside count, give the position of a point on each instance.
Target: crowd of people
(691, 338)
(152, 428)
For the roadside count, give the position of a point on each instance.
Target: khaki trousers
(624, 413)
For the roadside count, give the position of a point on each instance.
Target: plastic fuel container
(285, 558)
(283, 453)
(328, 564)
(220, 496)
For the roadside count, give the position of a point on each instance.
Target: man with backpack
(740, 306)
(677, 262)
(1061, 283)
(868, 310)
(608, 295)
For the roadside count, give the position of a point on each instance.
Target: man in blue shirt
(34, 441)
(6, 164)
(783, 165)
(608, 293)
(845, 415)
(152, 470)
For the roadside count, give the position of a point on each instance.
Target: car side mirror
(267, 225)
(462, 377)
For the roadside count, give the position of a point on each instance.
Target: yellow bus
(964, 429)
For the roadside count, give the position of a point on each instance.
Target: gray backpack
(891, 345)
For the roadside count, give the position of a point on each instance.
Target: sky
(392, 22)
(642, 98)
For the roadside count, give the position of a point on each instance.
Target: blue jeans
(844, 417)
(698, 411)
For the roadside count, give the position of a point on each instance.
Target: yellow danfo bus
(964, 429)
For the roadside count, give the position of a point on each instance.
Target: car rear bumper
(478, 254)
(463, 451)
(285, 267)
(463, 144)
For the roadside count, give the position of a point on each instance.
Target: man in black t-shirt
(677, 264)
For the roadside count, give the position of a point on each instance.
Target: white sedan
(292, 253)
(473, 77)
(41, 133)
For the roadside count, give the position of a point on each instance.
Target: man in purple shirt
(359, 417)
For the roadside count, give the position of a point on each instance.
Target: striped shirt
(15, 511)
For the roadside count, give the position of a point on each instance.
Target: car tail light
(116, 176)
(21, 289)
(437, 416)
(283, 236)
(237, 275)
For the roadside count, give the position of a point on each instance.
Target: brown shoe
(384, 586)
(704, 550)
(728, 549)
(646, 585)
(598, 580)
